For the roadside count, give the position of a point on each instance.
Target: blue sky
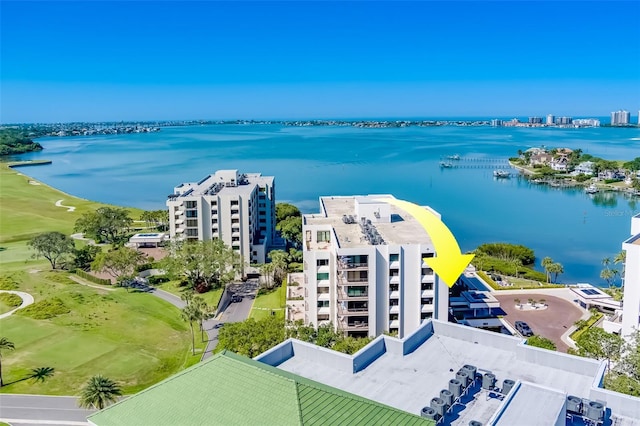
(144, 60)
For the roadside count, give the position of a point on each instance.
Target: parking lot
(551, 322)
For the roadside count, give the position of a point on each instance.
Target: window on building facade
(322, 276)
(192, 213)
(323, 303)
(192, 232)
(192, 222)
(427, 271)
(427, 286)
(235, 220)
(234, 202)
(191, 204)
(427, 255)
(323, 236)
(322, 262)
(394, 257)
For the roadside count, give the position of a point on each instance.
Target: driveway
(32, 410)
(551, 323)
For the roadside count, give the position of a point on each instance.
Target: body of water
(575, 229)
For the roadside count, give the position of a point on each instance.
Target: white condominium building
(620, 117)
(238, 208)
(631, 300)
(364, 269)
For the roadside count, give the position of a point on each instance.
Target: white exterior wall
(631, 300)
(240, 203)
(410, 264)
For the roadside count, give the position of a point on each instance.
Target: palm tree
(546, 262)
(200, 309)
(556, 269)
(608, 275)
(40, 374)
(516, 263)
(190, 314)
(621, 257)
(99, 392)
(5, 345)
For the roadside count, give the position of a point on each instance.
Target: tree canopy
(597, 343)
(509, 252)
(119, 263)
(202, 264)
(106, 224)
(285, 210)
(53, 246)
(541, 342)
(15, 141)
(289, 223)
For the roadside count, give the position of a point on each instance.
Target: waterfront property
(230, 389)
(466, 375)
(238, 208)
(626, 315)
(366, 268)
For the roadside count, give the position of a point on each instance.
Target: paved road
(32, 410)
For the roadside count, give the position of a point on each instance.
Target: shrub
(45, 309)
(144, 267)
(11, 300)
(92, 278)
(8, 282)
(158, 279)
(612, 180)
(582, 177)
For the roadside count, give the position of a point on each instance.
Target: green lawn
(133, 338)
(212, 298)
(273, 301)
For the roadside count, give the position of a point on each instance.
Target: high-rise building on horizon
(620, 118)
(535, 120)
(551, 120)
(238, 208)
(365, 269)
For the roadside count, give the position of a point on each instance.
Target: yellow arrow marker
(449, 262)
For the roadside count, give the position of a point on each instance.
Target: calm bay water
(573, 228)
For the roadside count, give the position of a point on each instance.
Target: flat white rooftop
(401, 229)
(407, 373)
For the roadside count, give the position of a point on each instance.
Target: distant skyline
(145, 60)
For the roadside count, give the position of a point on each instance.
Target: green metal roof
(229, 389)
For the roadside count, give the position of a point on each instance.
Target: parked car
(219, 325)
(523, 328)
(235, 298)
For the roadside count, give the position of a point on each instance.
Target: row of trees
(253, 337)
(551, 267)
(610, 274)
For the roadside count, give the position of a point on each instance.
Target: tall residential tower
(238, 208)
(364, 268)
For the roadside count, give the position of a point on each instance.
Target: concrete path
(27, 300)
(80, 236)
(26, 410)
(69, 208)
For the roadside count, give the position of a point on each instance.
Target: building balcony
(179, 230)
(353, 325)
(235, 234)
(324, 283)
(215, 235)
(179, 212)
(325, 310)
(352, 295)
(179, 221)
(395, 309)
(394, 324)
(394, 294)
(428, 278)
(323, 296)
(352, 311)
(324, 322)
(353, 281)
(425, 264)
(352, 266)
(427, 293)
(394, 265)
(427, 308)
(235, 216)
(394, 279)
(324, 269)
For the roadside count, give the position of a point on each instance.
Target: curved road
(27, 300)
